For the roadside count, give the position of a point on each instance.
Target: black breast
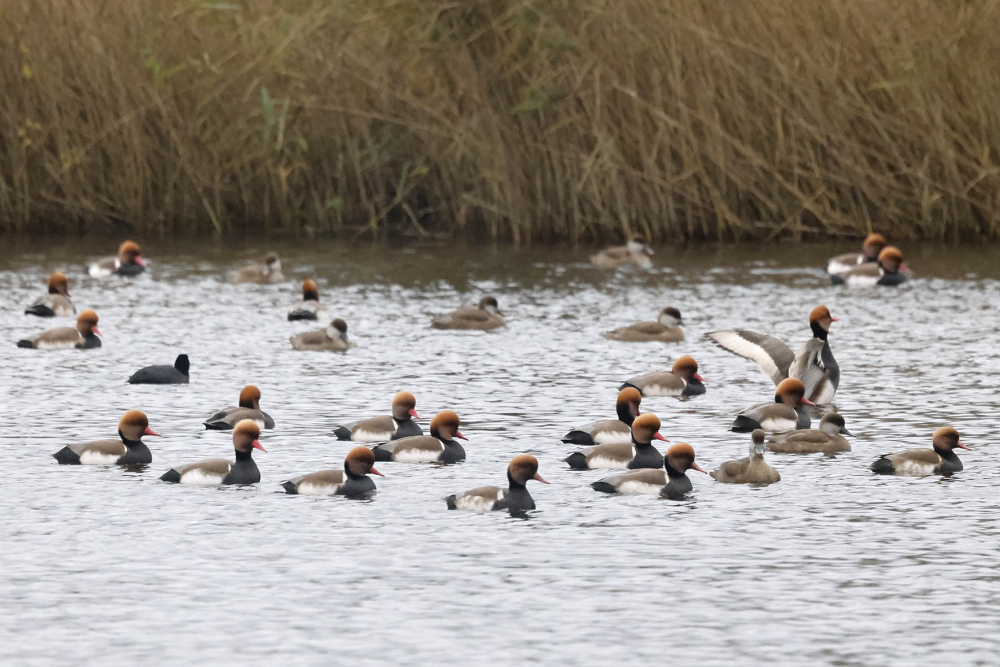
(693, 388)
(244, 471)
(91, 341)
(892, 279)
(130, 269)
(453, 452)
(407, 428)
(677, 487)
(517, 501)
(137, 452)
(646, 456)
(358, 486)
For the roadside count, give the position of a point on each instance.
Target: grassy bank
(531, 121)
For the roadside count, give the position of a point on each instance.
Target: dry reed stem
(531, 121)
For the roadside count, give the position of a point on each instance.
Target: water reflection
(814, 568)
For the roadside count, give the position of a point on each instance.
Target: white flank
(778, 424)
(97, 271)
(362, 435)
(477, 503)
(838, 267)
(418, 455)
(740, 346)
(635, 488)
(863, 281)
(198, 477)
(658, 390)
(913, 468)
(606, 462)
(612, 437)
(63, 311)
(308, 489)
(55, 345)
(92, 458)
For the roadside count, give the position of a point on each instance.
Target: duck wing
(808, 365)
(772, 354)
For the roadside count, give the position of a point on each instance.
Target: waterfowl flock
(806, 383)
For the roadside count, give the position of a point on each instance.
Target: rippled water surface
(831, 565)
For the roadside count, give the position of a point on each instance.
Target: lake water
(832, 565)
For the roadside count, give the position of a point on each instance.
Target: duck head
(86, 323)
(360, 461)
(445, 426)
(246, 436)
(404, 406)
(58, 284)
(791, 392)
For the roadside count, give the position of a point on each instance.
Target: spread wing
(808, 365)
(768, 352)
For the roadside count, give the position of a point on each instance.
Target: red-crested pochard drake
(813, 363)
(309, 308)
(639, 453)
(179, 373)
(263, 274)
(889, 270)
(681, 380)
(128, 262)
(635, 253)
(333, 338)
(249, 408)
(352, 481)
(784, 414)
(870, 249)
(381, 429)
(514, 499)
(213, 472)
(56, 302)
(609, 431)
(826, 439)
(750, 470)
(438, 447)
(671, 482)
(941, 460)
(484, 317)
(127, 450)
(666, 329)
(83, 336)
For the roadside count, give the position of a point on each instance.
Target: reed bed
(529, 121)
